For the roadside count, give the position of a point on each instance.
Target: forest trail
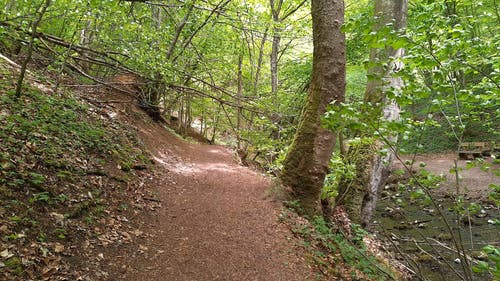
(215, 221)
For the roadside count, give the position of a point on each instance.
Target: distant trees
(307, 161)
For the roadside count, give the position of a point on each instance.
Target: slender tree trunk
(239, 96)
(259, 64)
(180, 120)
(85, 41)
(275, 48)
(178, 30)
(306, 163)
(34, 26)
(188, 116)
(274, 65)
(215, 123)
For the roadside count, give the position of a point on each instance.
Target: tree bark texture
(274, 64)
(307, 161)
(373, 166)
(390, 11)
(352, 191)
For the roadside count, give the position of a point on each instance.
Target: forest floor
(214, 219)
(113, 195)
(474, 181)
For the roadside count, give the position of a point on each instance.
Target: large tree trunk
(307, 161)
(360, 197)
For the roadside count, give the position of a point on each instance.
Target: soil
(474, 181)
(214, 220)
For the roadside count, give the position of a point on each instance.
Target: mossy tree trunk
(353, 190)
(359, 197)
(306, 163)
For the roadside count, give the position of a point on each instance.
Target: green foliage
(494, 194)
(451, 72)
(355, 83)
(41, 131)
(15, 265)
(492, 265)
(200, 48)
(339, 170)
(329, 249)
(450, 76)
(427, 179)
(358, 23)
(40, 197)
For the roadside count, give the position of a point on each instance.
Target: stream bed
(419, 236)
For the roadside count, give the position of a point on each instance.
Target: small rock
(58, 217)
(138, 233)
(126, 236)
(4, 229)
(429, 210)
(482, 214)
(424, 258)
(480, 255)
(445, 236)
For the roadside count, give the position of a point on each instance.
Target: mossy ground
(62, 167)
(337, 256)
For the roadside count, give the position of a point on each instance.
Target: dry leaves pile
(72, 180)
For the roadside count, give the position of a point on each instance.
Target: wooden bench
(471, 150)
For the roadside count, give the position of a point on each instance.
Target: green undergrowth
(63, 166)
(335, 255)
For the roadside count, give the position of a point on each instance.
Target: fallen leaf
(137, 232)
(4, 229)
(6, 254)
(58, 217)
(58, 248)
(126, 236)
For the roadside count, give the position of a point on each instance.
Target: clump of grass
(334, 254)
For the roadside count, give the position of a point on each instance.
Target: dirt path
(215, 221)
(474, 181)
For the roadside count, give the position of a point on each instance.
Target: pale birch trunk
(388, 11)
